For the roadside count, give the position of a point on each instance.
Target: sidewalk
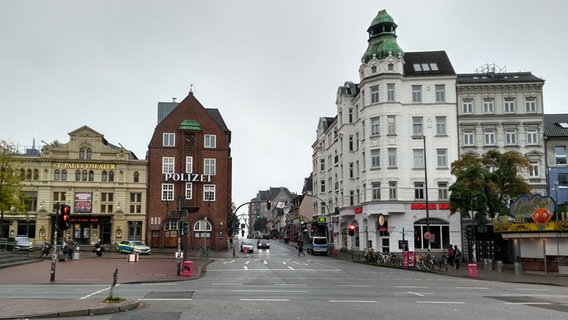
(161, 266)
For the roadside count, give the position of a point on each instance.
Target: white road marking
(269, 300)
(473, 288)
(416, 293)
(165, 299)
(227, 284)
(529, 303)
(441, 302)
(353, 301)
(354, 285)
(96, 292)
(412, 287)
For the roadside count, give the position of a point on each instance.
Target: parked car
(248, 245)
(133, 246)
(263, 244)
(23, 243)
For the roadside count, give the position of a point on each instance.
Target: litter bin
(187, 268)
(472, 270)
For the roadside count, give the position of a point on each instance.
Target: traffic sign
(427, 235)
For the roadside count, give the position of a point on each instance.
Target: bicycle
(204, 251)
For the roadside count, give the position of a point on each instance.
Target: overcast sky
(272, 67)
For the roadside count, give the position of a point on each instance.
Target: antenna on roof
(174, 99)
(190, 87)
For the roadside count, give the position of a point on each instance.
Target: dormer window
(390, 67)
(374, 69)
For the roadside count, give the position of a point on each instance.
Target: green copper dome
(190, 125)
(382, 38)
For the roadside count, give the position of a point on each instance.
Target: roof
(493, 77)
(427, 63)
(556, 125)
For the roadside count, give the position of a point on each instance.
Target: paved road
(159, 267)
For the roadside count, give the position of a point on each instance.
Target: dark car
(263, 244)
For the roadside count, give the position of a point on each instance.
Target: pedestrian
(457, 257)
(301, 248)
(231, 241)
(70, 248)
(65, 248)
(451, 256)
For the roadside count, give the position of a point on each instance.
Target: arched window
(89, 154)
(136, 176)
(56, 175)
(171, 225)
(104, 176)
(202, 229)
(29, 174)
(111, 176)
(82, 153)
(78, 175)
(84, 175)
(91, 175)
(36, 174)
(64, 175)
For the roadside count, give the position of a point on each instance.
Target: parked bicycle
(204, 251)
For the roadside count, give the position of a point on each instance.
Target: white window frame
(530, 104)
(168, 164)
(209, 192)
(489, 137)
(440, 92)
(532, 137)
(488, 105)
(167, 191)
(443, 190)
(510, 137)
(375, 94)
(441, 126)
(375, 158)
(391, 92)
(391, 124)
(375, 126)
(417, 93)
(560, 155)
(419, 190)
(168, 139)
(467, 106)
(376, 190)
(210, 166)
(393, 190)
(418, 156)
(417, 126)
(210, 141)
(534, 169)
(468, 138)
(509, 105)
(188, 190)
(189, 164)
(442, 158)
(392, 157)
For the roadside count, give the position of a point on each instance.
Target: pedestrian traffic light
(469, 232)
(258, 215)
(351, 229)
(64, 220)
(268, 204)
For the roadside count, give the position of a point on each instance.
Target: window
(509, 105)
(104, 176)
(392, 190)
(376, 158)
(417, 93)
(560, 154)
(322, 185)
(188, 190)
(136, 176)
(442, 156)
(169, 139)
(390, 92)
(467, 106)
(489, 137)
(64, 175)
(91, 175)
(376, 189)
(563, 179)
(511, 137)
(135, 202)
(392, 157)
(77, 175)
(84, 175)
(56, 175)
(106, 202)
(189, 164)
(111, 176)
(441, 126)
(391, 124)
(89, 154)
(209, 192)
(534, 169)
(374, 69)
(351, 143)
(530, 104)
(30, 202)
(440, 93)
(202, 225)
(82, 153)
(468, 138)
(167, 191)
(209, 166)
(418, 158)
(351, 168)
(488, 106)
(374, 94)
(419, 190)
(532, 136)
(390, 67)
(442, 191)
(322, 164)
(168, 164)
(375, 126)
(210, 141)
(417, 126)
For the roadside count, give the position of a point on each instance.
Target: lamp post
(423, 137)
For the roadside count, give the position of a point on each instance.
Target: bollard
(499, 266)
(472, 270)
(187, 268)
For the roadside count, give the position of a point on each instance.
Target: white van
(317, 245)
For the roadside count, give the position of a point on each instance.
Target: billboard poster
(83, 202)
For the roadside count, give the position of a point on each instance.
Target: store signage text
(79, 165)
(187, 177)
(431, 206)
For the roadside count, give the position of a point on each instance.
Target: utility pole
(54, 253)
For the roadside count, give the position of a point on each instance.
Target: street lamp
(423, 138)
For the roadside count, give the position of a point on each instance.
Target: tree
(260, 224)
(233, 223)
(11, 196)
(487, 184)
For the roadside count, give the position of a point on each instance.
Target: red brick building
(189, 172)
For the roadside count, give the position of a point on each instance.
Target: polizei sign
(187, 177)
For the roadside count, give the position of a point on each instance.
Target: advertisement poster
(83, 202)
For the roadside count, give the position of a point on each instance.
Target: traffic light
(351, 229)
(469, 232)
(258, 215)
(64, 220)
(183, 228)
(268, 204)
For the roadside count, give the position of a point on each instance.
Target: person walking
(301, 248)
(457, 257)
(451, 256)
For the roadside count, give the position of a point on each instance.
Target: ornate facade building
(104, 184)
(189, 176)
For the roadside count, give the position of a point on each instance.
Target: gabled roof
(556, 125)
(497, 77)
(427, 63)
